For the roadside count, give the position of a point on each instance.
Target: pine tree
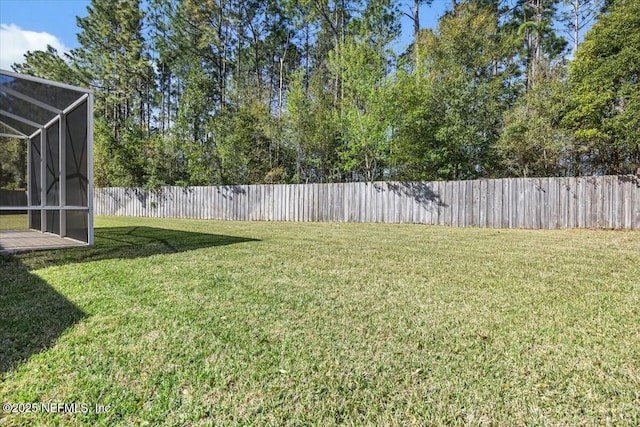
(112, 53)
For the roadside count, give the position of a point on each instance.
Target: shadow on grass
(130, 243)
(33, 314)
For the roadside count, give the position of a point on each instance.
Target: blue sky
(32, 24)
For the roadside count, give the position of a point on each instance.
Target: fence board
(455, 199)
(552, 200)
(617, 203)
(635, 186)
(509, 204)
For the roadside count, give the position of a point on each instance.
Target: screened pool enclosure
(54, 207)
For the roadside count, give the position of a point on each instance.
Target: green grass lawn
(185, 322)
(14, 222)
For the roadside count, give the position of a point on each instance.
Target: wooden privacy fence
(537, 203)
(13, 198)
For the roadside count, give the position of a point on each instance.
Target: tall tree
(541, 45)
(363, 120)
(605, 92)
(112, 53)
(359, 64)
(533, 142)
(48, 64)
(580, 14)
(414, 16)
(467, 70)
(313, 130)
(248, 91)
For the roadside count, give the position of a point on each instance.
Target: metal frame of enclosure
(56, 122)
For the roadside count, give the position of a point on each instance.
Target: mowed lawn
(188, 322)
(14, 222)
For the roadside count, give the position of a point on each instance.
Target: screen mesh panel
(35, 183)
(53, 166)
(55, 96)
(34, 220)
(77, 225)
(76, 156)
(25, 109)
(53, 222)
(15, 124)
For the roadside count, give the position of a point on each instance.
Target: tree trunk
(416, 30)
(576, 25)
(281, 83)
(280, 88)
(538, 8)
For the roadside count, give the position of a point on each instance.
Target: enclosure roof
(28, 103)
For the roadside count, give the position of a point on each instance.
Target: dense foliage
(243, 91)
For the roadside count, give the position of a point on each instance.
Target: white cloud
(15, 42)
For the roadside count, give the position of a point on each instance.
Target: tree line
(206, 92)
